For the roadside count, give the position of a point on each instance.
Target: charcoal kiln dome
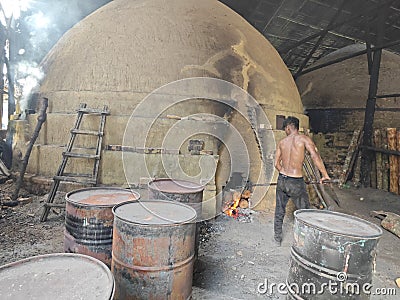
(129, 47)
(126, 49)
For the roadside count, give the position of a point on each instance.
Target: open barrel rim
(152, 185)
(372, 225)
(80, 204)
(93, 260)
(191, 220)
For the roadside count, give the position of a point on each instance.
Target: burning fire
(239, 200)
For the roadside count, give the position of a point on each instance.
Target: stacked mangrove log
(385, 171)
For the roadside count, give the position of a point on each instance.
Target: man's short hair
(291, 121)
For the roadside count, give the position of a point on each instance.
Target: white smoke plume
(37, 26)
(30, 76)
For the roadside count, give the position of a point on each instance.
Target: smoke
(47, 20)
(38, 27)
(30, 76)
(13, 8)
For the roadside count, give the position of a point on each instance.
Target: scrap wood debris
(390, 221)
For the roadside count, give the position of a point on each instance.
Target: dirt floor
(234, 257)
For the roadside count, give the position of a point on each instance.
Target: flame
(231, 210)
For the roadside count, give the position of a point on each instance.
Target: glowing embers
(237, 205)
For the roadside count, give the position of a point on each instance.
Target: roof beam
(284, 38)
(321, 37)
(355, 54)
(333, 26)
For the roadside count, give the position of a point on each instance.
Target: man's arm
(312, 149)
(278, 158)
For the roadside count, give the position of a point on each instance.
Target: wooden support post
(378, 158)
(393, 161)
(357, 170)
(367, 156)
(2, 50)
(398, 159)
(352, 154)
(385, 163)
(373, 173)
(41, 119)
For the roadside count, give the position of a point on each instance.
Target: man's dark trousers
(288, 187)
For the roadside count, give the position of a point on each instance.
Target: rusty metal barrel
(332, 257)
(183, 191)
(153, 250)
(62, 276)
(89, 220)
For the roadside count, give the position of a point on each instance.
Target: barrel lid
(56, 276)
(154, 212)
(175, 186)
(338, 223)
(101, 196)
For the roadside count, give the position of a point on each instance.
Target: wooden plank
(398, 159)
(148, 150)
(385, 163)
(3, 169)
(81, 155)
(93, 111)
(393, 161)
(378, 158)
(373, 174)
(310, 174)
(350, 157)
(357, 170)
(86, 132)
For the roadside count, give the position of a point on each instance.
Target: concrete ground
(234, 257)
(238, 257)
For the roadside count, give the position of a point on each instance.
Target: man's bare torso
(292, 155)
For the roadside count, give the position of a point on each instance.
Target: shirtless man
(289, 162)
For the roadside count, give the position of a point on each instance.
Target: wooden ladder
(84, 179)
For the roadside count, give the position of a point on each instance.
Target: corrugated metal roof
(285, 23)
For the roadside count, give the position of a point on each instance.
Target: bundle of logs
(386, 165)
(385, 168)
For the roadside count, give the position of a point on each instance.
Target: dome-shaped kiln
(127, 49)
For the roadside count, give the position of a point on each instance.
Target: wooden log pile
(385, 176)
(386, 166)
